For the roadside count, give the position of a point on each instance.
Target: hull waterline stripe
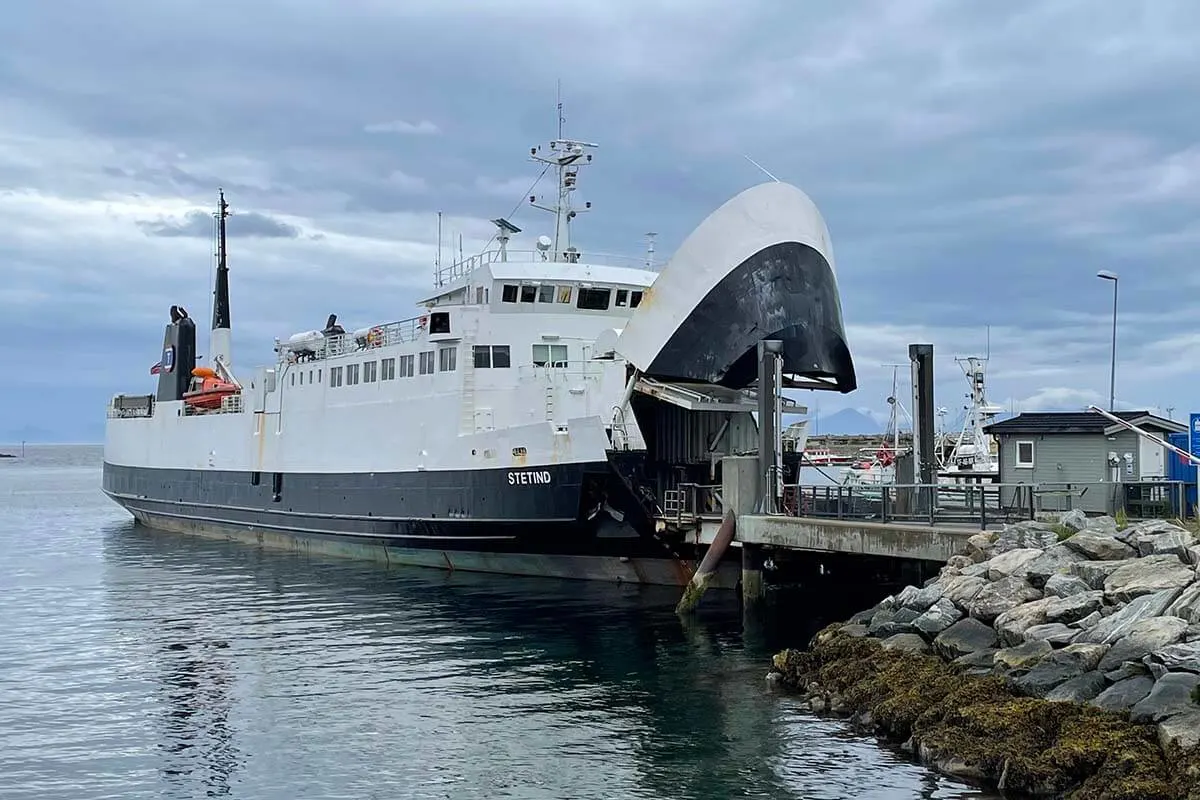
(287, 529)
(318, 515)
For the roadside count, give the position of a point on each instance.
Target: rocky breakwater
(1048, 659)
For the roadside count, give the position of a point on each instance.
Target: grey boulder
(937, 618)
(1096, 546)
(1143, 638)
(1180, 657)
(963, 637)
(1003, 595)
(1171, 695)
(1124, 694)
(1113, 627)
(1147, 576)
(1014, 563)
(1079, 689)
(1053, 632)
(1064, 584)
(1056, 560)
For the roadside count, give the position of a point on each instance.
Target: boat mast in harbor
(221, 341)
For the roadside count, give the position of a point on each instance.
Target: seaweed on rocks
(979, 729)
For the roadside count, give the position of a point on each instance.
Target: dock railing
(983, 504)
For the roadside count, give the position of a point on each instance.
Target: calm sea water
(136, 664)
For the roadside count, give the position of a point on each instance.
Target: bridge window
(495, 355)
(370, 371)
(564, 294)
(528, 294)
(622, 297)
(549, 355)
(406, 366)
(509, 293)
(635, 299)
(546, 294)
(427, 362)
(439, 322)
(387, 369)
(593, 299)
(447, 359)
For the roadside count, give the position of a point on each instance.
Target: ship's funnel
(759, 267)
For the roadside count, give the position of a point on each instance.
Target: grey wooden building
(1081, 460)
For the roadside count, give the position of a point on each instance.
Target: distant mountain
(848, 421)
(33, 434)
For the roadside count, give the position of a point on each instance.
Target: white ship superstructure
(525, 420)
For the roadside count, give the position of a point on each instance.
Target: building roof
(1080, 422)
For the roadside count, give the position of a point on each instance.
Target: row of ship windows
(588, 299)
(484, 356)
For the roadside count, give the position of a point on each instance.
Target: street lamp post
(1112, 378)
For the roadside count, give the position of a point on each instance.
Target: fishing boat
(529, 418)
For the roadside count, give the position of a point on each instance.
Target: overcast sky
(976, 164)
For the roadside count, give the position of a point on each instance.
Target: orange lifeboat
(211, 392)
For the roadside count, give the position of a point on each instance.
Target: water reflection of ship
(670, 685)
(197, 738)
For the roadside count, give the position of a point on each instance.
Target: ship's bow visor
(759, 267)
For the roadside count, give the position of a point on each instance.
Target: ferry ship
(529, 419)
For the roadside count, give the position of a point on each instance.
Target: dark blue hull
(550, 521)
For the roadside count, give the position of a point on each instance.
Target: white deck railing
(463, 268)
(408, 330)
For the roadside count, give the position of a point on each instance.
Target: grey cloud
(976, 163)
(199, 224)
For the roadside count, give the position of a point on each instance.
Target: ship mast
(221, 341)
(566, 157)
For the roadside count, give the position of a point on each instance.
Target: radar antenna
(566, 156)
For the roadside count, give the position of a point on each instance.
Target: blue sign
(1194, 435)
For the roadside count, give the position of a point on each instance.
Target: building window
(301, 378)
(564, 294)
(293, 379)
(335, 376)
(370, 371)
(351, 374)
(593, 299)
(622, 297)
(427, 362)
(549, 355)
(1025, 454)
(447, 359)
(387, 369)
(485, 356)
(509, 294)
(546, 294)
(635, 299)
(528, 294)
(406, 366)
